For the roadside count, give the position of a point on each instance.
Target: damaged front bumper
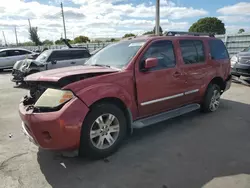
(18, 76)
(57, 130)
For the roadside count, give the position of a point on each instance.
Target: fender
(96, 92)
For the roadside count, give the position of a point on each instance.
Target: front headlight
(234, 60)
(52, 98)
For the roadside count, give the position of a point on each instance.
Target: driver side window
(163, 51)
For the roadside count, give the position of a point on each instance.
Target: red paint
(130, 85)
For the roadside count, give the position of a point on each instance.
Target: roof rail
(174, 33)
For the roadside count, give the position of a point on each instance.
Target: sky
(114, 18)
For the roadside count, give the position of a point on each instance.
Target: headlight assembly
(53, 98)
(234, 60)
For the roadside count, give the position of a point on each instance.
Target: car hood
(57, 74)
(19, 64)
(247, 54)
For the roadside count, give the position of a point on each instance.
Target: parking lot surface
(186, 152)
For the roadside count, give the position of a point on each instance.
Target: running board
(164, 116)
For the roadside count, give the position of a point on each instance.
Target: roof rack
(174, 33)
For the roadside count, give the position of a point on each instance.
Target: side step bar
(164, 116)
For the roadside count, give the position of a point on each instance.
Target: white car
(8, 57)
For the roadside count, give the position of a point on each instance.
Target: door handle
(73, 62)
(177, 74)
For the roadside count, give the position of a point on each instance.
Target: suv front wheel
(102, 131)
(212, 98)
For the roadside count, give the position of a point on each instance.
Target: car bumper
(59, 130)
(241, 70)
(18, 76)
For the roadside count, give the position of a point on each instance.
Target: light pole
(64, 27)
(157, 17)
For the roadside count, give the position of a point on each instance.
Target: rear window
(218, 50)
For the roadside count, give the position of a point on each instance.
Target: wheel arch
(218, 81)
(119, 103)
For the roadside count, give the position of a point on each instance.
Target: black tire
(205, 106)
(87, 148)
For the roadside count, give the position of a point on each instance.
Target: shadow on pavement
(184, 152)
(5, 71)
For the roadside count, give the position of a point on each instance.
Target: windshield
(116, 55)
(43, 56)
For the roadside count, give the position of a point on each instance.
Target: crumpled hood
(55, 75)
(19, 64)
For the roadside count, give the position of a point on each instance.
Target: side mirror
(150, 63)
(53, 62)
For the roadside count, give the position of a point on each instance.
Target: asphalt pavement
(192, 151)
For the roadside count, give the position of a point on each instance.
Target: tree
(128, 35)
(47, 42)
(208, 25)
(153, 32)
(81, 39)
(241, 31)
(161, 31)
(34, 36)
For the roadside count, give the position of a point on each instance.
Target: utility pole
(4, 39)
(157, 17)
(16, 36)
(29, 23)
(63, 22)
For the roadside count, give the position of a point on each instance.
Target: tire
(212, 98)
(93, 147)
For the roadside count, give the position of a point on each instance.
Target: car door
(3, 59)
(58, 59)
(194, 67)
(161, 88)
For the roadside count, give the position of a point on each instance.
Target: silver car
(49, 59)
(8, 57)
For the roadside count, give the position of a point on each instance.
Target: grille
(245, 60)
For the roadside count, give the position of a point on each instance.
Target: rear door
(194, 67)
(160, 88)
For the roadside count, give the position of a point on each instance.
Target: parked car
(9, 56)
(49, 59)
(240, 63)
(130, 84)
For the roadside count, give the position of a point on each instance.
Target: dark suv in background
(240, 63)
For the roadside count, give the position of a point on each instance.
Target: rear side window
(192, 51)
(14, 53)
(60, 55)
(77, 54)
(218, 50)
(23, 52)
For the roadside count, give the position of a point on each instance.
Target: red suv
(130, 84)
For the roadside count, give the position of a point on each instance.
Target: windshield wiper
(100, 65)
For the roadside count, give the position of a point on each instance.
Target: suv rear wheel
(102, 131)
(212, 98)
